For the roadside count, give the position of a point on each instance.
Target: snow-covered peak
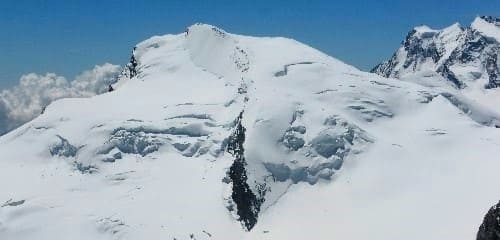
(424, 28)
(214, 49)
(460, 56)
(226, 55)
(205, 30)
(213, 135)
(488, 26)
(425, 31)
(452, 29)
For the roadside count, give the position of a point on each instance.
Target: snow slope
(212, 135)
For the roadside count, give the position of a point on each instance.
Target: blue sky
(68, 36)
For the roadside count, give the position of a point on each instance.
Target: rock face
(460, 55)
(128, 72)
(247, 203)
(490, 228)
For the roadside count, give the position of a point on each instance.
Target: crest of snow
(449, 40)
(487, 29)
(210, 48)
(425, 31)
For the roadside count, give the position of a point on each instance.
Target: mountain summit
(460, 56)
(213, 135)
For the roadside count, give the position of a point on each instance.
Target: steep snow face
(453, 56)
(487, 26)
(212, 135)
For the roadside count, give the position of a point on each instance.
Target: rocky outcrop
(247, 202)
(459, 55)
(130, 70)
(490, 228)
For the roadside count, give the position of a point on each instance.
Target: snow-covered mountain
(457, 56)
(212, 135)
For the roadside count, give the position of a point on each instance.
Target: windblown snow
(212, 135)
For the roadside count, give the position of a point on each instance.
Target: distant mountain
(213, 135)
(461, 56)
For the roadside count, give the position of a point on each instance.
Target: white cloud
(95, 81)
(25, 101)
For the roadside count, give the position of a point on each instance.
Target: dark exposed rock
(131, 69)
(477, 48)
(132, 65)
(447, 74)
(490, 228)
(491, 19)
(247, 202)
(493, 70)
(11, 203)
(417, 51)
(240, 58)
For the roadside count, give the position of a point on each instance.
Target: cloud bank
(25, 101)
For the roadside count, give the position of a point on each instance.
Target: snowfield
(212, 135)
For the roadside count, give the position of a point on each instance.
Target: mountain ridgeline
(460, 55)
(212, 135)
